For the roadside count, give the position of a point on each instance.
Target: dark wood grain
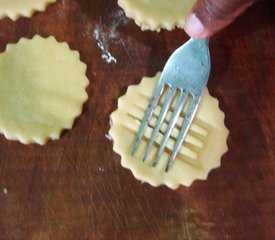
(75, 188)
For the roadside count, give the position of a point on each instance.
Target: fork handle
(204, 41)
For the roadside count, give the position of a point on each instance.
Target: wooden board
(75, 188)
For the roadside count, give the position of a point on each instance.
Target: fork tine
(184, 129)
(164, 110)
(147, 116)
(172, 122)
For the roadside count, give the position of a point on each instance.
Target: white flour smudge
(101, 169)
(103, 45)
(108, 136)
(5, 190)
(118, 20)
(102, 37)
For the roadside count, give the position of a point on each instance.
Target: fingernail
(194, 27)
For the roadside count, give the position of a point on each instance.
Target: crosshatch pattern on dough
(200, 153)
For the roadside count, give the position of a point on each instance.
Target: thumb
(209, 16)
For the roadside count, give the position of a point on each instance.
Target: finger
(209, 16)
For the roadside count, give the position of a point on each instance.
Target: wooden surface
(75, 188)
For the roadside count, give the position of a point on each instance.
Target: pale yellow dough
(157, 14)
(42, 89)
(201, 152)
(17, 8)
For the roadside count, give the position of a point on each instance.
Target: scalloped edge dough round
(15, 9)
(182, 172)
(42, 89)
(157, 14)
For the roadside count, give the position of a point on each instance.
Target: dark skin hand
(210, 16)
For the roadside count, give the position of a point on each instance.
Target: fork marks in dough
(192, 145)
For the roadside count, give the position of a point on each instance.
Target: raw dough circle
(17, 8)
(157, 14)
(42, 89)
(201, 152)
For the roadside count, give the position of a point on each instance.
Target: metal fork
(186, 72)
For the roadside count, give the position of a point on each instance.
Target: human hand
(210, 16)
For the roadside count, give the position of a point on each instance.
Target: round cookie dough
(42, 89)
(200, 153)
(22, 8)
(157, 14)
